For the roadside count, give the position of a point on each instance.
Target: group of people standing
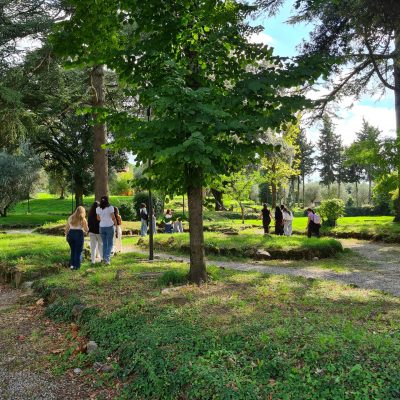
(283, 220)
(170, 225)
(104, 225)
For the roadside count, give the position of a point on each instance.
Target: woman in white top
(105, 214)
(76, 228)
(287, 222)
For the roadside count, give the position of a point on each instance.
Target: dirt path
(27, 339)
(378, 267)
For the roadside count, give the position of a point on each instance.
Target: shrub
(366, 211)
(127, 212)
(143, 197)
(331, 210)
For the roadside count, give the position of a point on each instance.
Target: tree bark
(356, 194)
(197, 273)
(78, 193)
(396, 71)
(273, 194)
(369, 190)
(304, 180)
(242, 211)
(298, 191)
(100, 159)
(219, 203)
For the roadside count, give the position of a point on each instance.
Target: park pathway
(377, 267)
(27, 339)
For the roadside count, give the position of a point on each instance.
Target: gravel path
(378, 267)
(26, 340)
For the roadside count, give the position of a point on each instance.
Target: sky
(379, 112)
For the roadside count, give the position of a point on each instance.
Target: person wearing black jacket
(266, 218)
(96, 244)
(278, 221)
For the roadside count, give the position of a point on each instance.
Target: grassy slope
(243, 336)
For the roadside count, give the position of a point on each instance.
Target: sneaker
(72, 267)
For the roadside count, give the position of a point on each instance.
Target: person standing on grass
(310, 222)
(96, 244)
(118, 232)
(75, 230)
(317, 224)
(168, 222)
(105, 214)
(266, 218)
(143, 219)
(287, 222)
(278, 221)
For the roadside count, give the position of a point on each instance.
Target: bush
(366, 211)
(331, 210)
(127, 212)
(143, 197)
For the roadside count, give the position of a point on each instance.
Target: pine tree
(329, 145)
(307, 161)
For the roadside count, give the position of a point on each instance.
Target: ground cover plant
(242, 336)
(246, 244)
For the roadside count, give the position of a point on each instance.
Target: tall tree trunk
(339, 187)
(242, 211)
(298, 191)
(369, 189)
(304, 179)
(197, 273)
(396, 71)
(273, 194)
(356, 194)
(78, 193)
(219, 203)
(100, 160)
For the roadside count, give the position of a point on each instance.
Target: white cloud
(261, 37)
(351, 120)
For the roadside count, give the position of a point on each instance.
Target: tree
(352, 171)
(359, 42)
(28, 20)
(58, 182)
(210, 90)
(18, 173)
(52, 96)
(306, 160)
(239, 185)
(279, 163)
(329, 145)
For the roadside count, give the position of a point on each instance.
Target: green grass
(248, 241)
(243, 336)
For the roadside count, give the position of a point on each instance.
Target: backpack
(317, 219)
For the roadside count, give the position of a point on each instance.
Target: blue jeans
(75, 240)
(107, 236)
(143, 227)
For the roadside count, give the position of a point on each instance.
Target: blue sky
(284, 38)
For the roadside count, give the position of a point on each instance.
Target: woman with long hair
(75, 229)
(266, 218)
(278, 221)
(105, 214)
(96, 244)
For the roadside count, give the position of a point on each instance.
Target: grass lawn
(243, 336)
(47, 209)
(247, 242)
